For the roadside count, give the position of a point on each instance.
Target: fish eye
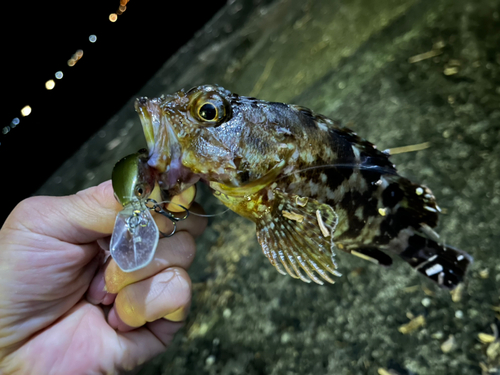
(208, 112)
(210, 108)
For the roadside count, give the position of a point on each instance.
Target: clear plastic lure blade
(135, 237)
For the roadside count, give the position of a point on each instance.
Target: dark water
(354, 61)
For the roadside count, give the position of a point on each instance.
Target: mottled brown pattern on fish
(260, 156)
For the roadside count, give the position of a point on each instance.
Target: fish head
(133, 179)
(210, 133)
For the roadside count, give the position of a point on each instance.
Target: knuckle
(179, 288)
(175, 295)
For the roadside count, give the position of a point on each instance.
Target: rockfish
(311, 185)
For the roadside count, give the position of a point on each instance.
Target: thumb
(80, 218)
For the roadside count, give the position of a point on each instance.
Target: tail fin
(443, 264)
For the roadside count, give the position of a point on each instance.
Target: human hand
(50, 260)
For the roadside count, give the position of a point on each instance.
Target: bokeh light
(26, 110)
(50, 84)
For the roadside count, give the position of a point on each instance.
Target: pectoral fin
(252, 187)
(296, 234)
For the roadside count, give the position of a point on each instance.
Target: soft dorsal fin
(296, 234)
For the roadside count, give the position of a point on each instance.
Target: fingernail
(96, 292)
(109, 299)
(115, 322)
(92, 300)
(104, 243)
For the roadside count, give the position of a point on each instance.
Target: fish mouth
(165, 153)
(156, 127)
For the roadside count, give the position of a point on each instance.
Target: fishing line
(372, 168)
(212, 215)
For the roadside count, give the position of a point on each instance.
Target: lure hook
(153, 205)
(173, 230)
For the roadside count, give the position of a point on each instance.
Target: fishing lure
(136, 234)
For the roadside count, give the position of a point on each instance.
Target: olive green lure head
(135, 234)
(133, 179)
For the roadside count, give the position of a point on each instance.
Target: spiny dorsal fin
(297, 235)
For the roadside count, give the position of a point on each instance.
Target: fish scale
(265, 159)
